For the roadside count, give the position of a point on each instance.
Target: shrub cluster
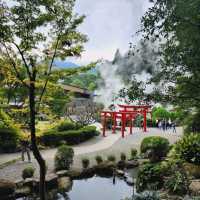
(9, 134)
(150, 177)
(9, 138)
(63, 158)
(188, 148)
(55, 137)
(156, 147)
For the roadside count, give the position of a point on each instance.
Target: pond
(95, 188)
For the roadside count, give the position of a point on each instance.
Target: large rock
(22, 192)
(62, 173)
(7, 189)
(105, 169)
(195, 187)
(192, 169)
(51, 181)
(64, 183)
(131, 164)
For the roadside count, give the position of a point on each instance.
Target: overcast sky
(109, 25)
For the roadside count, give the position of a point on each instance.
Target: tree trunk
(36, 152)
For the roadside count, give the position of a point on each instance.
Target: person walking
(25, 147)
(174, 127)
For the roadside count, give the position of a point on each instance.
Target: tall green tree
(34, 32)
(175, 23)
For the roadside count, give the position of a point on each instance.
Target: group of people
(166, 125)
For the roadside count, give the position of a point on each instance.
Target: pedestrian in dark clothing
(174, 127)
(25, 147)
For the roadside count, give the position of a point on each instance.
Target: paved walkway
(112, 144)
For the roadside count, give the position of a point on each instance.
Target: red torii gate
(125, 113)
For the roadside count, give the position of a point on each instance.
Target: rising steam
(139, 63)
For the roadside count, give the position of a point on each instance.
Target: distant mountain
(64, 64)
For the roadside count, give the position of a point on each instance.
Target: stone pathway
(112, 144)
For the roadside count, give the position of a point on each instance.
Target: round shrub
(150, 177)
(98, 159)
(188, 148)
(85, 162)
(156, 147)
(28, 172)
(64, 157)
(111, 158)
(123, 156)
(133, 153)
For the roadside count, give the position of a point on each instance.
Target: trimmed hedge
(55, 138)
(66, 125)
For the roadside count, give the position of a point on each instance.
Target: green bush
(177, 183)
(28, 172)
(66, 125)
(111, 158)
(55, 138)
(85, 163)
(133, 153)
(156, 147)
(123, 156)
(188, 148)
(150, 177)
(63, 158)
(9, 138)
(98, 159)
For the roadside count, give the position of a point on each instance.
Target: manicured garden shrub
(9, 138)
(111, 158)
(98, 159)
(188, 148)
(156, 147)
(55, 138)
(133, 153)
(177, 183)
(123, 156)
(66, 125)
(64, 157)
(85, 163)
(150, 177)
(28, 172)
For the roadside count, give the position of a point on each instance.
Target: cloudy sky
(110, 25)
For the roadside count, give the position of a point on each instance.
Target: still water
(95, 188)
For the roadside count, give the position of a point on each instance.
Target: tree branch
(49, 71)
(15, 67)
(24, 60)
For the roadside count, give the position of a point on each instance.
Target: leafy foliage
(147, 195)
(134, 153)
(176, 183)
(150, 177)
(188, 148)
(64, 157)
(156, 147)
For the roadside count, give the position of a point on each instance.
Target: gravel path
(112, 144)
